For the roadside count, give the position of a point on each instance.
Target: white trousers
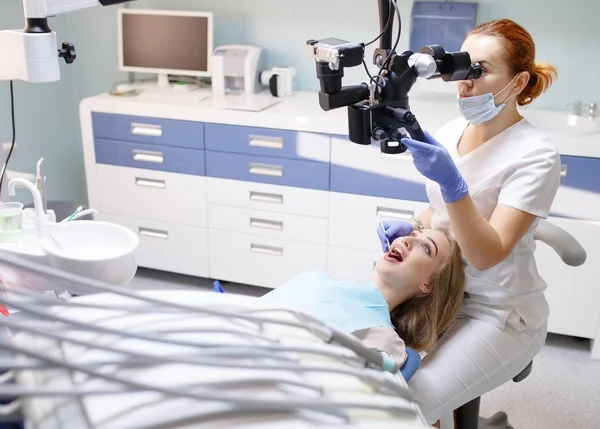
(473, 357)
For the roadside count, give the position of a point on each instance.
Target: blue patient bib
(347, 306)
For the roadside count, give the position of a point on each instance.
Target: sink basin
(556, 122)
(99, 250)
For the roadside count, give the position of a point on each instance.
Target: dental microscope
(379, 110)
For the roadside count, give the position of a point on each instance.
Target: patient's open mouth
(395, 253)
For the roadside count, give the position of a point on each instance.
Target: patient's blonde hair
(421, 320)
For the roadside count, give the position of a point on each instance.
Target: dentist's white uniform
(503, 323)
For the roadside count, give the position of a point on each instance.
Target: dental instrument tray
(176, 359)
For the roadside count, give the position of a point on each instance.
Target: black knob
(379, 134)
(396, 135)
(67, 52)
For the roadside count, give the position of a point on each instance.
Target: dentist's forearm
(480, 243)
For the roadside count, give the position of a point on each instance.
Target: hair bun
(542, 77)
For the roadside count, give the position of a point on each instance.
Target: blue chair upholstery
(413, 362)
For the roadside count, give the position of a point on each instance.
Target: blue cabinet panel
(149, 130)
(581, 173)
(267, 142)
(353, 181)
(578, 174)
(150, 157)
(250, 168)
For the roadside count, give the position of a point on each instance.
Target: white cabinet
(353, 219)
(264, 196)
(269, 224)
(263, 234)
(261, 261)
(573, 293)
(167, 246)
(154, 195)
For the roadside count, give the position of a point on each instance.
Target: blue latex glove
(434, 162)
(392, 231)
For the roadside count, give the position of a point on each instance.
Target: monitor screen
(166, 42)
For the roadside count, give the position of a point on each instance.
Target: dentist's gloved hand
(392, 231)
(434, 162)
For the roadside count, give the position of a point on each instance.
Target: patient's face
(413, 259)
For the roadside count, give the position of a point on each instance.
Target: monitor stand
(165, 89)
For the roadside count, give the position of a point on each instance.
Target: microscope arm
(31, 54)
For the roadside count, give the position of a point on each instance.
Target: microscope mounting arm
(30, 54)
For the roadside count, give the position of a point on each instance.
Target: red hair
(519, 54)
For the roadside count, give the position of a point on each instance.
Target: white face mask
(481, 108)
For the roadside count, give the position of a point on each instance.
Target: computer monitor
(165, 42)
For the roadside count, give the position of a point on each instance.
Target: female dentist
(491, 175)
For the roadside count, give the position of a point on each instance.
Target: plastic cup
(11, 222)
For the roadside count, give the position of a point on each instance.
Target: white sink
(98, 250)
(556, 122)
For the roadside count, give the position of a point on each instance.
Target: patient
(412, 299)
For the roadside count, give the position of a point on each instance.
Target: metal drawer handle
(148, 156)
(150, 183)
(146, 130)
(267, 250)
(154, 233)
(266, 198)
(563, 171)
(395, 213)
(266, 169)
(266, 224)
(264, 141)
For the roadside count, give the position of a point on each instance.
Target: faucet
(592, 110)
(40, 218)
(576, 108)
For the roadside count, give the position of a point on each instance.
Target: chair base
(497, 421)
(467, 417)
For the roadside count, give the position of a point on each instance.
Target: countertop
(301, 112)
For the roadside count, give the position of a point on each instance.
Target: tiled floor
(562, 392)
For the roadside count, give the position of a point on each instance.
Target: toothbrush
(70, 218)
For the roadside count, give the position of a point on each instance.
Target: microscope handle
(410, 123)
(405, 119)
(415, 131)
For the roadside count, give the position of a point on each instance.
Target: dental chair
(413, 359)
(572, 254)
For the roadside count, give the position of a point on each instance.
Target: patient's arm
(384, 339)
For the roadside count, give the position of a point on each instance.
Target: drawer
(276, 171)
(579, 194)
(152, 195)
(353, 219)
(352, 265)
(268, 142)
(167, 247)
(156, 131)
(149, 157)
(261, 261)
(364, 170)
(272, 198)
(268, 224)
